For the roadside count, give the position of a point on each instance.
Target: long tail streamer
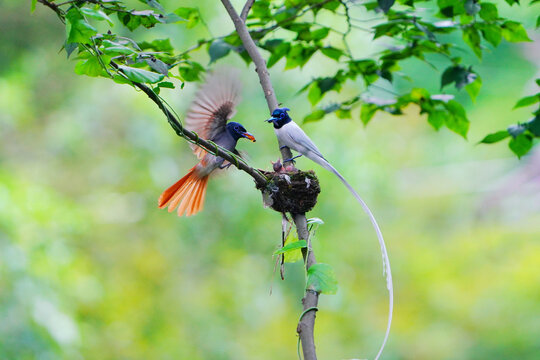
(387, 272)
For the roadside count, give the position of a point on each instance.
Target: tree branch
(209, 146)
(307, 321)
(245, 10)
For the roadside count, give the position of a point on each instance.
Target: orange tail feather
(189, 192)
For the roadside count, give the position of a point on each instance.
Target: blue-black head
(280, 117)
(237, 131)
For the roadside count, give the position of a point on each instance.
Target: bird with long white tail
(289, 134)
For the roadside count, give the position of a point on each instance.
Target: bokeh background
(91, 269)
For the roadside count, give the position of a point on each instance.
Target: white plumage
(291, 135)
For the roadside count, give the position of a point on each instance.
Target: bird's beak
(249, 136)
(272, 119)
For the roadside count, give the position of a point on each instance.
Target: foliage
(291, 30)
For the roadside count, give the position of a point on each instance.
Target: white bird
(291, 135)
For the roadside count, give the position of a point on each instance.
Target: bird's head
(237, 131)
(280, 117)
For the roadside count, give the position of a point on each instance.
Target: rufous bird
(214, 105)
(289, 134)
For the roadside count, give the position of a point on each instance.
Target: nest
(293, 192)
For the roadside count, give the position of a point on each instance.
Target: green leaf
(488, 11)
(321, 278)
(534, 125)
(320, 34)
(514, 32)
(521, 144)
(332, 52)
(190, 14)
(218, 49)
(291, 246)
(367, 111)
(163, 45)
(78, 30)
(190, 71)
(474, 88)
(90, 67)
(528, 100)
(140, 75)
(495, 137)
(385, 5)
(538, 22)
(472, 38)
(96, 13)
(155, 4)
(457, 121)
(437, 118)
(292, 255)
(492, 33)
(166, 84)
(33, 5)
(315, 115)
(114, 48)
(314, 94)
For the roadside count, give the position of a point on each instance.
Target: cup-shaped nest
(293, 192)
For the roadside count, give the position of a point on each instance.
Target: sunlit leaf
(495, 137)
(528, 100)
(521, 144)
(321, 278)
(291, 246)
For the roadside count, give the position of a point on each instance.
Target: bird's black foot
(282, 147)
(225, 166)
(292, 159)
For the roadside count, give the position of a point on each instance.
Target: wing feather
(214, 104)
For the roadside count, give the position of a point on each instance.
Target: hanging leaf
(140, 75)
(521, 144)
(321, 278)
(218, 49)
(291, 246)
(495, 137)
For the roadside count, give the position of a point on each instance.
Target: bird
(209, 114)
(290, 135)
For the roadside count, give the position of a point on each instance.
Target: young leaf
(90, 67)
(78, 30)
(96, 14)
(140, 75)
(528, 100)
(190, 14)
(321, 278)
(218, 49)
(367, 111)
(488, 11)
(514, 32)
(437, 118)
(291, 246)
(472, 38)
(474, 88)
(315, 115)
(521, 144)
(495, 137)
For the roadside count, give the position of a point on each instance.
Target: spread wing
(214, 104)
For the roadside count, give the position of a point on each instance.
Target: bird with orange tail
(208, 116)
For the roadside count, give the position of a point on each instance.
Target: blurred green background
(91, 269)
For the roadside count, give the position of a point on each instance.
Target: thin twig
(245, 10)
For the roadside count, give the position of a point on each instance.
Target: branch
(209, 146)
(307, 321)
(245, 10)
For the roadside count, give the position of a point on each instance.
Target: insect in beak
(249, 136)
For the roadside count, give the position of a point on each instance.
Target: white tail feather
(386, 261)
